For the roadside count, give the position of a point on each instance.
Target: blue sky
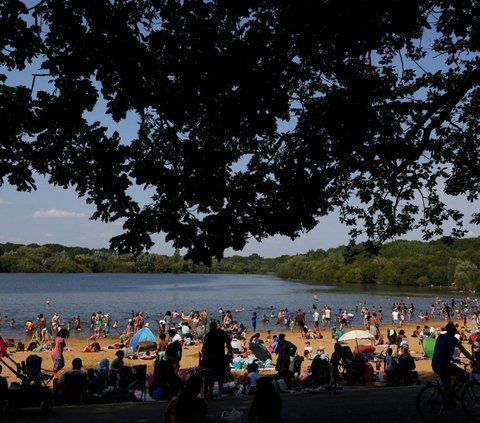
(55, 215)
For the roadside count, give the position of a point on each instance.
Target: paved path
(366, 405)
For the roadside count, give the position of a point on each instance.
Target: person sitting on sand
(238, 347)
(116, 369)
(461, 332)
(316, 333)
(416, 332)
(147, 355)
(305, 333)
(307, 350)
(255, 339)
(92, 347)
(402, 339)
(76, 369)
(268, 338)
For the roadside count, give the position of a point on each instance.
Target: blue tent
(142, 338)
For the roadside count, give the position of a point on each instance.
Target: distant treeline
(399, 263)
(55, 258)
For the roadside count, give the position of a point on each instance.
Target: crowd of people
(222, 337)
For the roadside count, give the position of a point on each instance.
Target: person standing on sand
(395, 317)
(285, 350)
(41, 322)
(316, 317)
(162, 343)
(337, 359)
(138, 322)
(173, 351)
(57, 351)
(213, 351)
(328, 316)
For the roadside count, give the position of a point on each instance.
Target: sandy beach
(76, 345)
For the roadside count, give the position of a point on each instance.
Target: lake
(24, 296)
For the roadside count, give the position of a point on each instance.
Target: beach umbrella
(355, 335)
(259, 351)
(143, 338)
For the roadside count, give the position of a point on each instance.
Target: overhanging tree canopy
(255, 118)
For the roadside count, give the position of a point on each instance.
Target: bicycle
(432, 399)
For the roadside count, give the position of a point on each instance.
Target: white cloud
(57, 213)
(5, 202)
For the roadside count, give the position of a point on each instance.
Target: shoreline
(190, 357)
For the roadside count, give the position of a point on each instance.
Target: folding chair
(136, 380)
(74, 388)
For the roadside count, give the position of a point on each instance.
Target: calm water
(24, 296)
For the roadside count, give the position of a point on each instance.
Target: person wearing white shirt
(185, 329)
(238, 347)
(395, 317)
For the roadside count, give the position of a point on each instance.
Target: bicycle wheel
(430, 402)
(471, 399)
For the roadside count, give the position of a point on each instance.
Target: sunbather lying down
(147, 355)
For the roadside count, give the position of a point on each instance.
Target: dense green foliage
(250, 118)
(400, 263)
(56, 258)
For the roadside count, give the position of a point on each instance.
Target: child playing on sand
(307, 350)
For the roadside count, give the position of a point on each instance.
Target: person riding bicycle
(442, 358)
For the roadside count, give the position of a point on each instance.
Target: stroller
(32, 391)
